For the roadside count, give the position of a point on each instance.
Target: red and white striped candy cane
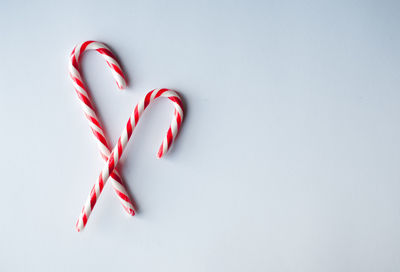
(123, 140)
(89, 110)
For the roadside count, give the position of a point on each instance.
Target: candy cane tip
(121, 86)
(77, 227)
(131, 212)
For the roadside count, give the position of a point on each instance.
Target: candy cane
(123, 140)
(90, 113)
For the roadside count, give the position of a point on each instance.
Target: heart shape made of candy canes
(113, 158)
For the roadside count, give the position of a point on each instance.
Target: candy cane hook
(123, 140)
(89, 110)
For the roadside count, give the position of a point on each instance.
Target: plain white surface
(288, 159)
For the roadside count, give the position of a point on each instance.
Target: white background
(288, 159)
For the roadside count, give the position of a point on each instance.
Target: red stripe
(74, 62)
(147, 100)
(101, 184)
(119, 148)
(85, 100)
(83, 47)
(116, 68)
(106, 52)
(93, 120)
(111, 163)
(116, 177)
(93, 197)
(77, 81)
(129, 128)
(121, 195)
(160, 151)
(176, 100)
(84, 219)
(136, 114)
(100, 137)
(170, 137)
(160, 92)
(178, 120)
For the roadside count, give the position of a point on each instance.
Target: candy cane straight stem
(89, 110)
(123, 140)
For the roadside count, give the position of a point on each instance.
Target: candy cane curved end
(111, 60)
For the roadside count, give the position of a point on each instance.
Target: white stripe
(174, 128)
(140, 107)
(80, 89)
(116, 159)
(170, 93)
(165, 145)
(80, 224)
(97, 189)
(105, 174)
(179, 110)
(78, 51)
(97, 45)
(153, 95)
(88, 208)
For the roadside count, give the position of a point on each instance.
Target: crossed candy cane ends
(123, 140)
(89, 109)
